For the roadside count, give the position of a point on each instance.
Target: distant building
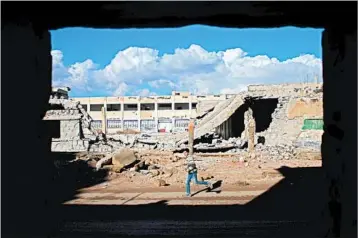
(168, 113)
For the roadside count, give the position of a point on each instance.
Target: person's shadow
(216, 185)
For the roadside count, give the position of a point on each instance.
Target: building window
(114, 124)
(113, 107)
(181, 106)
(147, 107)
(130, 107)
(96, 107)
(193, 105)
(164, 106)
(84, 106)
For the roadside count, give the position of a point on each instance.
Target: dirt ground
(232, 170)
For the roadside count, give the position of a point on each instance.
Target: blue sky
(201, 59)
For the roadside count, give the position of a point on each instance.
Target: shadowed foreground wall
(26, 69)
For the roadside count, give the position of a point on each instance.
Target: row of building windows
(133, 124)
(143, 107)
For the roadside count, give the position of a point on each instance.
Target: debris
(145, 172)
(117, 168)
(124, 157)
(162, 183)
(153, 167)
(207, 177)
(139, 166)
(92, 163)
(104, 161)
(154, 173)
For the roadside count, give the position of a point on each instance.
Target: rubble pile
(277, 152)
(282, 139)
(150, 165)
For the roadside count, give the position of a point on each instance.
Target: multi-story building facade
(146, 114)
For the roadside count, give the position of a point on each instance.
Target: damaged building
(266, 117)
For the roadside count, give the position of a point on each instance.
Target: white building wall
(146, 120)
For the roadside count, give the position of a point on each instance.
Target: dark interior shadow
(71, 176)
(296, 198)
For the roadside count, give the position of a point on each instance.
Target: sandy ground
(235, 177)
(132, 204)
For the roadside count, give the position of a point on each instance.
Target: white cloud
(144, 92)
(161, 83)
(142, 71)
(121, 90)
(77, 76)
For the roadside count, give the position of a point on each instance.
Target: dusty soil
(235, 171)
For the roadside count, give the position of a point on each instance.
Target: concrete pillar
(26, 70)
(190, 108)
(173, 114)
(191, 128)
(251, 135)
(122, 113)
(138, 111)
(104, 120)
(339, 141)
(156, 116)
(247, 117)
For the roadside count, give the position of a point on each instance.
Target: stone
(91, 163)
(104, 161)
(108, 167)
(179, 155)
(124, 157)
(145, 172)
(154, 173)
(207, 177)
(162, 183)
(117, 168)
(140, 165)
(153, 167)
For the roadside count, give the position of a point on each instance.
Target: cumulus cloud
(77, 76)
(142, 71)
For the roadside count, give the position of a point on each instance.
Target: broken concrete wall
(222, 112)
(285, 128)
(235, 125)
(71, 129)
(65, 145)
(204, 106)
(282, 90)
(74, 120)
